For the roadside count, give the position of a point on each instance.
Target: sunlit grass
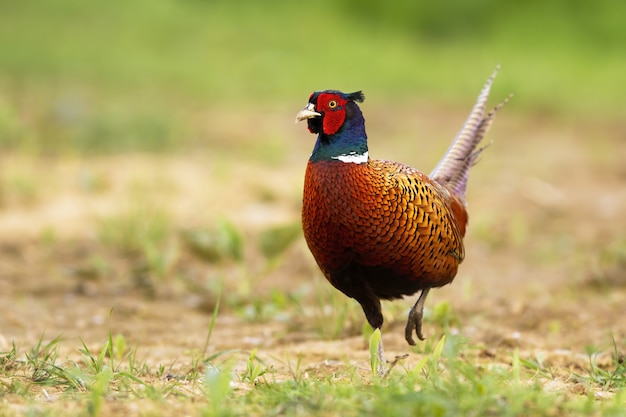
(246, 384)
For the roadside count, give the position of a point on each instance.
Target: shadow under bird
(380, 229)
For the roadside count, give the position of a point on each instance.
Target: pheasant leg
(414, 321)
(382, 370)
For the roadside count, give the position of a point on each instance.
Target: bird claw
(414, 322)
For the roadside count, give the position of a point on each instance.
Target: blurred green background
(87, 76)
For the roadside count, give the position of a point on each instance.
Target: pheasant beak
(307, 113)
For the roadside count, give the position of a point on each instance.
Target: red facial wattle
(333, 108)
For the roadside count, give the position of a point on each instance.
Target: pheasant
(380, 229)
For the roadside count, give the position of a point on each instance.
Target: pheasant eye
(332, 104)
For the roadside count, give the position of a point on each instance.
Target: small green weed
(255, 368)
(538, 366)
(611, 379)
(216, 311)
(143, 233)
(140, 228)
(607, 269)
(220, 242)
(42, 362)
(443, 315)
(274, 241)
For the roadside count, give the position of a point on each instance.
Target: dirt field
(545, 270)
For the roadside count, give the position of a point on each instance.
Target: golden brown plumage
(381, 229)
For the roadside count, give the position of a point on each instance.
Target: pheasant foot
(382, 370)
(414, 321)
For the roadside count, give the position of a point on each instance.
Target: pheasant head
(337, 120)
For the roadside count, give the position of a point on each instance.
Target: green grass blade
(373, 347)
(213, 319)
(417, 369)
(438, 349)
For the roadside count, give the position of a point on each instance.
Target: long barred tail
(453, 169)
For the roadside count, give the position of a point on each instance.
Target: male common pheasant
(380, 229)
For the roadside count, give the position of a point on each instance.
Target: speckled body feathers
(381, 229)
